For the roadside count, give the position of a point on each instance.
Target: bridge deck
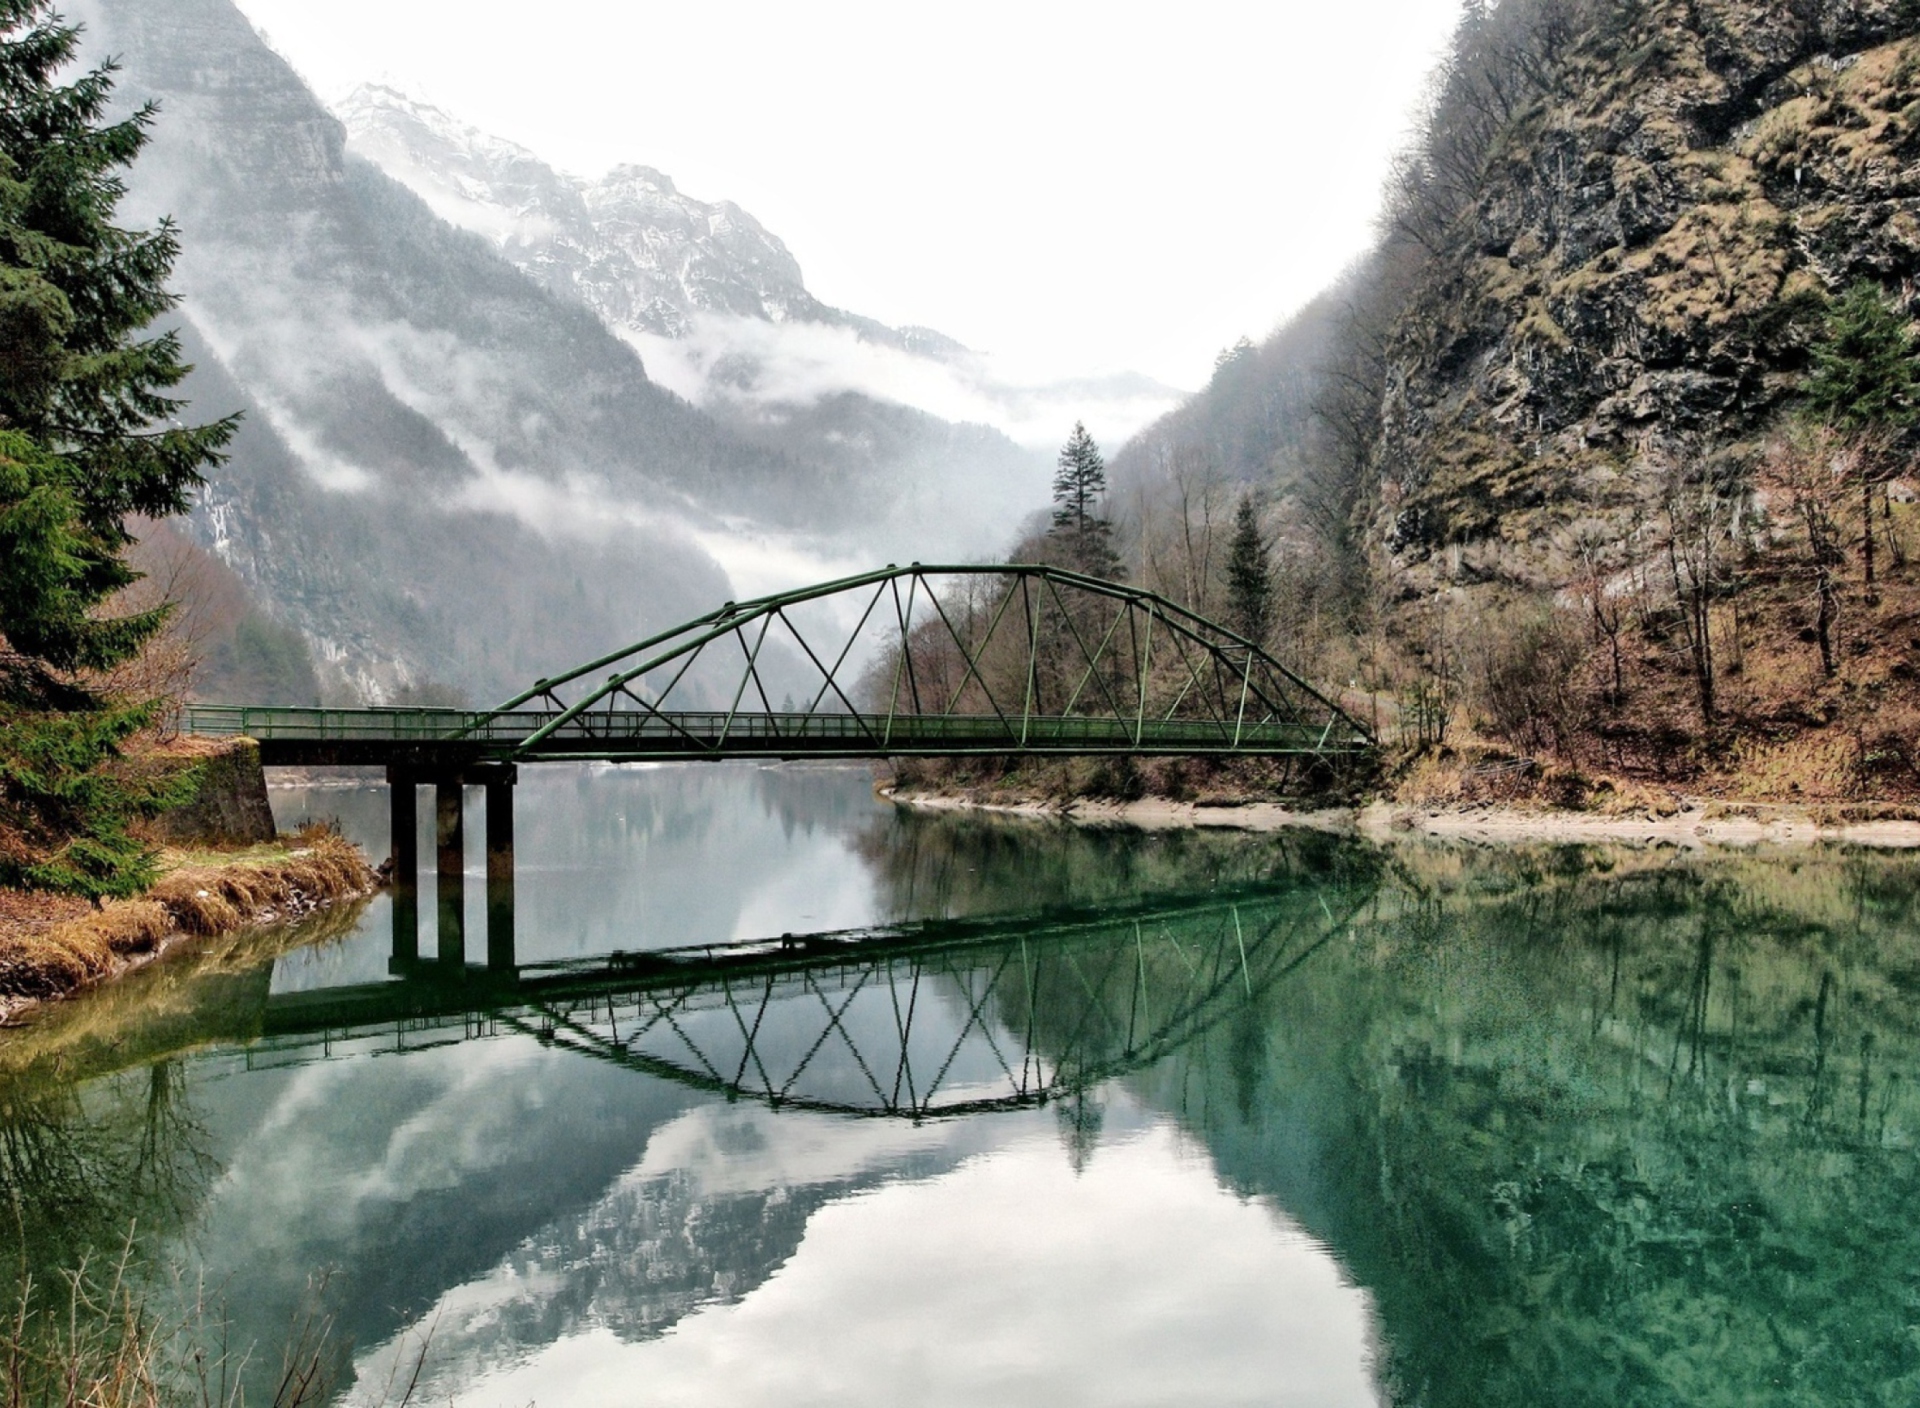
(319, 737)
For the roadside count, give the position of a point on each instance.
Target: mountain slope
(446, 472)
(718, 306)
(1641, 270)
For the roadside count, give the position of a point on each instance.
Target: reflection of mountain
(429, 1182)
(937, 1022)
(1590, 1138)
(715, 1207)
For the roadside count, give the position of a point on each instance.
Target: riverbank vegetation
(51, 944)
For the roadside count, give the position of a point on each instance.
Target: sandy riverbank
(1698, 824)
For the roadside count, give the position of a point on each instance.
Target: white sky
(1076, 187)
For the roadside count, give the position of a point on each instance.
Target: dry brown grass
(1479, 774)
(100, 1345)
(47, 947)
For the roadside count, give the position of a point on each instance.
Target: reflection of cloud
(753, 363)
(296, 1175)
(1010, 1279)
(728, 1149)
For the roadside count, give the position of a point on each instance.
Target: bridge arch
(924, 660)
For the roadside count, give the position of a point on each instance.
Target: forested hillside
(1550, 467)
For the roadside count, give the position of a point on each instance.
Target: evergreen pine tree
(1081, 532)
(91, 435)
(1863, 374)
(1249, 576)
(1863, 384)
(1079, 481)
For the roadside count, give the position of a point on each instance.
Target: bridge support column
(451, 889)
(403, 857)
(500, 956)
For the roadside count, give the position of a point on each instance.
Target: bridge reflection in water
(938, 1018)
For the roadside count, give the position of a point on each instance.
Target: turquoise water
(1110, 1116)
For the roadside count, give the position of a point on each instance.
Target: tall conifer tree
(89, 434)
(1863, 375)
(1081, 529)
(1249, 576)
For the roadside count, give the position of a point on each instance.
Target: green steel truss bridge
(927, 1020)
(1021, 661)
(915, 661)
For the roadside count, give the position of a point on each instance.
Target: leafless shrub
(1528, 677)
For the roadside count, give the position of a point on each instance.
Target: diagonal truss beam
(1220, 680)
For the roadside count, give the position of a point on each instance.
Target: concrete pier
(450, 888)
(403, 859)
(450, 880)
(500, 955)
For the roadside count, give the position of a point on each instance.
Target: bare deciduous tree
(1812, 469)
(1700, 508)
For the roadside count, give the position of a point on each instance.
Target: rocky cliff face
(1643, 267)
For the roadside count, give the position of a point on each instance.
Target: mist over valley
(495, 418)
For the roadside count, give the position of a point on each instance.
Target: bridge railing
(693, 732)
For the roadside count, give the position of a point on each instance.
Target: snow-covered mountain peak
(712, 299)
(644, 256)
(632, 175)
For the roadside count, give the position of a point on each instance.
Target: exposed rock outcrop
(1644, 266)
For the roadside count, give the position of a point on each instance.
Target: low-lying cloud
(750, 363)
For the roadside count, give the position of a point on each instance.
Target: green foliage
(54, 568)
(77, 293)
(65, 808)
(82, 380)
(91, 436)
(1081, 537)
(1863, 367)
(1249, 576)
(1227, 359)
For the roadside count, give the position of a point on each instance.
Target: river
(1088, 1116)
